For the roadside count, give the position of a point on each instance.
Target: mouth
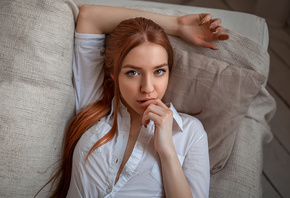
(144, 100)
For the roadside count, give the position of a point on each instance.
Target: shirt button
(128, 170)
(140, 146)
(109, 189)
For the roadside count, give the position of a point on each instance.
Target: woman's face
(144, 76)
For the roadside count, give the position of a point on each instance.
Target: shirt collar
(176, 117)
(123, 111)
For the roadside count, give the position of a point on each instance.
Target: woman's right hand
(199, 29)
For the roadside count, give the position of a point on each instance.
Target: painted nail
(202, 22)
(217, 31)
(212, 26)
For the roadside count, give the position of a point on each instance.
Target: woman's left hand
(162, 117)
(199, 29)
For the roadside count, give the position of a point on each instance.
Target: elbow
(84, 12)
(84, 20)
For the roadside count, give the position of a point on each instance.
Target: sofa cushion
(36, 92)
(221, 92)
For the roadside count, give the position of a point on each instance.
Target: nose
(147, 84)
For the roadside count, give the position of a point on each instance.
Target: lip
(143, 100)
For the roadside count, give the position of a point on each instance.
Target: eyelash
(162, 70)
(130, 73)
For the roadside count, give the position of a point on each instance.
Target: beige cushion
(222, 92)
(36, 92)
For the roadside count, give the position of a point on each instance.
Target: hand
(162, 116)
(191, 29)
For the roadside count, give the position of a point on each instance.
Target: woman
(125, 142)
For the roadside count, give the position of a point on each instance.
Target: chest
(133, 163)
(133, 135)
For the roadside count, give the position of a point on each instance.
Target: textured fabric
(142, 171)
(244, 53)
(222, 92)
(36, 92)
(241, 176)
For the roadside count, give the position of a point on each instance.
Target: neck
(136, 119)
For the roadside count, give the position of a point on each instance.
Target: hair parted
(126, 36)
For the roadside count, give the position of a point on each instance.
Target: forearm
(175, 182)
(95, 19)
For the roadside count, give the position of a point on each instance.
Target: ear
(112, 76)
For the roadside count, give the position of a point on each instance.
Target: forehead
(146, 55)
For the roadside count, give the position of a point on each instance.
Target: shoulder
(187, 123)
(188, 131)
(192, 127)
(191, 121)
(192, 136)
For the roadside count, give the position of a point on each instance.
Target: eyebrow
(140, 68)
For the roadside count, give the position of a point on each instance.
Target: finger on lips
(156, 101)
(153, 109)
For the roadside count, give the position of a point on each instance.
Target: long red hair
(128, 35)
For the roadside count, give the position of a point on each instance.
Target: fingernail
(212, 26)
(217, 31)
(202, 22)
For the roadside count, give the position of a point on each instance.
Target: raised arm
(197, 29)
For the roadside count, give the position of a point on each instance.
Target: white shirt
(141, 175)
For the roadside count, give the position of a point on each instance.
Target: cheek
(127, 87)
(161, 87)
(164, 83)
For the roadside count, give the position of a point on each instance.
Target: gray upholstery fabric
(241, 175)
(222, 92)
(36, 92)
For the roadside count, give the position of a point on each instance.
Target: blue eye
(132, 73)
(160, 72)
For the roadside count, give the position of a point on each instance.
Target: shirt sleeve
(196, 166)
(88, 74)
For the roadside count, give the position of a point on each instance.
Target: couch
(37, 97)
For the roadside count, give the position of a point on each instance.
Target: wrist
(168, 154)
(172, 26)
(179, 23)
